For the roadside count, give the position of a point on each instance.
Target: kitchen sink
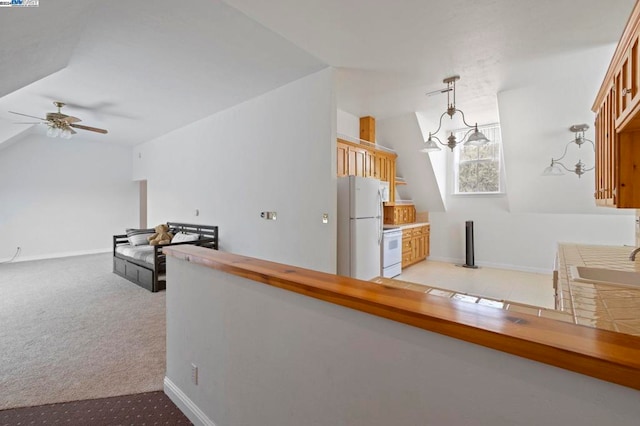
(586, 274)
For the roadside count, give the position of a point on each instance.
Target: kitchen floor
(501, 284)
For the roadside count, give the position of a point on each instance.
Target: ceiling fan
(61, 125)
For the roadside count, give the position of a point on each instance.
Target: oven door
(391, 248)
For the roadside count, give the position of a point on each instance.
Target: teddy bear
(161, 236)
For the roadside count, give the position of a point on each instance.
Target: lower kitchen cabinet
(415, 244)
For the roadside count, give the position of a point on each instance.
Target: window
(478, 169)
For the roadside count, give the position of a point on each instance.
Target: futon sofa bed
(144, 264)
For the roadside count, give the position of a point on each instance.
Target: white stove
(391, 252)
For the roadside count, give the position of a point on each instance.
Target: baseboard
(186, 405)
(493, 265)
(56, 255)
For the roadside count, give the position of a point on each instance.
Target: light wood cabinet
(368, 129)
(627, 171)
(617, 168)
(386, 171)
(359, 160)
(356, 161)
(399, 214)
(343, 160)
(415, 244)
(625, 83)
(638, 228)
(370, 164)
(617, 108)
(606, 142)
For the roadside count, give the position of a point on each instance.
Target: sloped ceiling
(139, 69)
(391, 53)
(37, 42)
(142, 69)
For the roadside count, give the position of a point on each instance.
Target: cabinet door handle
(626, 91)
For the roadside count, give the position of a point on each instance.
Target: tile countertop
(606, 307)
(507, 305)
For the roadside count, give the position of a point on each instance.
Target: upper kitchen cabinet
(606, 143)
(355, 160)
(386, 171)
(358, 159)
(617, 108)
(625, 86)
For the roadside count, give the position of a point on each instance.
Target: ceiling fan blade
(28, 122)
(26, 115)
(91, 129)
(73, 132)
(69, 119)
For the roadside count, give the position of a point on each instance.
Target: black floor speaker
(469, 258)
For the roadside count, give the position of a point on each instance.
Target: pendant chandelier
(555, 169)
(472, 137)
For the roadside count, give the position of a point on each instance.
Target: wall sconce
(555, 169)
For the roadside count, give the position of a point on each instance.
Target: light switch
(325, 217)
(269, 215)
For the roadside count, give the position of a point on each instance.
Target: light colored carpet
(70, 329)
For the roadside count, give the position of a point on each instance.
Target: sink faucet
(635, 251)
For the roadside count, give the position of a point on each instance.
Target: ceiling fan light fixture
(53, 132)
(61, 125)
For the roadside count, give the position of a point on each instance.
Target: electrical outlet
(194, 374)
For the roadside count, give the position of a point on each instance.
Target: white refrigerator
(359, 227)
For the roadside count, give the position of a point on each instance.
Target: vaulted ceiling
(139, 69)
(142, 69)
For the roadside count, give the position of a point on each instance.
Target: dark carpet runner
(151, 408)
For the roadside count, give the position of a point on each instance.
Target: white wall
(535, 120)
(518, 240)
(348, 124)
(520, 230)
(61, 197)
(270, 357)
(423, 177)
(276, 153)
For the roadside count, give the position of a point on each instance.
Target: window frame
(499, 156)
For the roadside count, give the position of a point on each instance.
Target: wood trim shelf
(603, 354)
